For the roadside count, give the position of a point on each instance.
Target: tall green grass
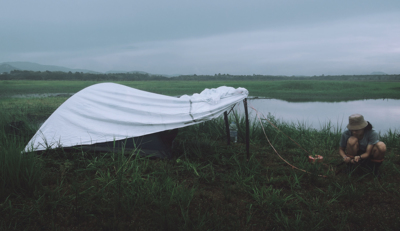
(207, 185)
(18, 172)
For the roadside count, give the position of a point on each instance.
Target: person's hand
(347, 159)
(357, 158)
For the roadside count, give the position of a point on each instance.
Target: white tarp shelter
(108, 112)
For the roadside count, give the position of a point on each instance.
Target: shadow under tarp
(157, 145)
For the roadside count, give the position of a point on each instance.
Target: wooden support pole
(247, 129)
(228, 135)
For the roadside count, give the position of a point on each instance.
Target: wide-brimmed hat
(356, 122)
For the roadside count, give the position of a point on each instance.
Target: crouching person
(360, 144)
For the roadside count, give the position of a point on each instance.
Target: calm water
(383, 114)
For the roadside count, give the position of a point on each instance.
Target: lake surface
(383, 114)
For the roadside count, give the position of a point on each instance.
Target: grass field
(285, 90)
(207, 185)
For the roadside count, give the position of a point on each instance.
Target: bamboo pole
(228, 135)
(247, 129)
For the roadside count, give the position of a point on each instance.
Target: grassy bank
(301, 90)
(208, 185)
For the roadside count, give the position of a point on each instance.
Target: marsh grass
(207, 185)
(290, 90)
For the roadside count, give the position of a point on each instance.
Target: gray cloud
(205, 37)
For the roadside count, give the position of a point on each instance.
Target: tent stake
(247, 129)
(228, 136)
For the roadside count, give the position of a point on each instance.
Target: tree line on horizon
(137, 76)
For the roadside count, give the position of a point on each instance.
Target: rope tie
(258, 116)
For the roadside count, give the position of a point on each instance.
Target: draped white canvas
(107, 111)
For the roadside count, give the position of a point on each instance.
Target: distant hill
(28, 66)
(122, 72)
(115, 72)
(378, 73)
(165, 75)
(4, 67)
(140, 72)
(170, 76)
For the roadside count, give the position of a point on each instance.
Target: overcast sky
(270, 37)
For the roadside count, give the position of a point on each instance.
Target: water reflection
(383, 114)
